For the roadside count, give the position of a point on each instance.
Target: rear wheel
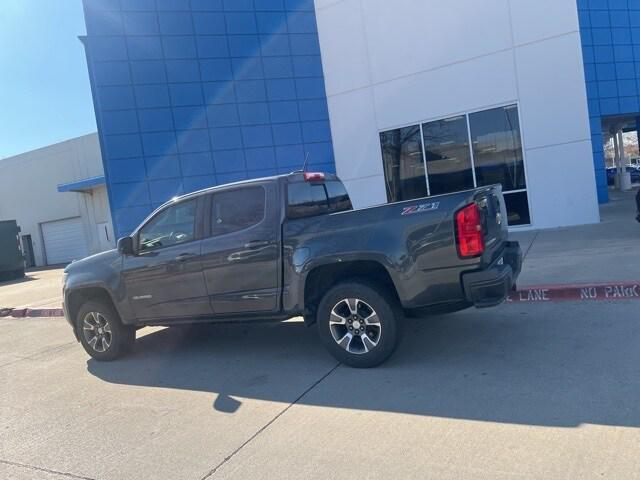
(101, 332)
(358, 324)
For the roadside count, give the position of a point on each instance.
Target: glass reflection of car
(634, 170)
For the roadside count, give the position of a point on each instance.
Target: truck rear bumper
(490, 287)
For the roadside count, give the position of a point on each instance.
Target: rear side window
(306, 199)
(338, 197)
(237, 210)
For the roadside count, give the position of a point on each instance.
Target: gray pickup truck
(281, 247)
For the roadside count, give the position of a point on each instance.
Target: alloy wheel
(97, 331)
(355, 326)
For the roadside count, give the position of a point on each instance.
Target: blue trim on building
(192, 94)
(610, 31)
(82, 185)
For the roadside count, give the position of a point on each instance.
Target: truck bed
(414, 240)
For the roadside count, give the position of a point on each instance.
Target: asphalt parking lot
(521, 391)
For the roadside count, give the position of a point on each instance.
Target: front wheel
(101, 332)
(358, 324)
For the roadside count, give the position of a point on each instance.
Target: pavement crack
(46, 470)
(268, 424)
(531, 245)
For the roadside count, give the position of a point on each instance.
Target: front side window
(172, 226)
(236, 210)
(403, 164)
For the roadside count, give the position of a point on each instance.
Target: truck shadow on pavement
(4, 281)
(550, 365)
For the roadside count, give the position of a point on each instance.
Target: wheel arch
(322, 277)
(78, 297)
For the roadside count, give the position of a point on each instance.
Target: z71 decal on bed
(425, 207)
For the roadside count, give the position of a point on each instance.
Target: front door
(241, 257)
(164, 280)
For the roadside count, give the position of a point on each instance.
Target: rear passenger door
(241, 256)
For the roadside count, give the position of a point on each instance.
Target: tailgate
(494, 220)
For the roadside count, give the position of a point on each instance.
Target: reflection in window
(306, 199)
(403, 164)
(172, 226)
(446, 144)
(494, 157)
(338, 197)
(497, 149)
(517, 208)
(236, 210)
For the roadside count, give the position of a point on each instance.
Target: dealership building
(403, 99)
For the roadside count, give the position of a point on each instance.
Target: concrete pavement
(521, 391)
(40, 288)
(605, 252)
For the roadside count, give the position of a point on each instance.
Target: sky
(45, 95)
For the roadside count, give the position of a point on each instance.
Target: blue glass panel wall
(610, 31)
(193, 93)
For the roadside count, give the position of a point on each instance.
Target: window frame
(467, 114)
(208, 210)
(197, 227)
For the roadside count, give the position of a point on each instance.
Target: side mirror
(125, 246)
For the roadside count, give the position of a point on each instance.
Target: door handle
(183, 257)
(256, 244)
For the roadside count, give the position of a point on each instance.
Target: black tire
(119, 337)
(359, 350)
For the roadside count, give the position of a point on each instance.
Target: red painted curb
(577, 293)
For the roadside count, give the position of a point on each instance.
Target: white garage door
(64, 241)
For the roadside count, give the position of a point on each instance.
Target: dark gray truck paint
(278, 268)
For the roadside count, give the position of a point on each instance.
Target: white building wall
(391, 64)
(29, 190)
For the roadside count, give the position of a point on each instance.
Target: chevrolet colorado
(292, 245)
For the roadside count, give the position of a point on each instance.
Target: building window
(497, 151)
(446, 145)
(403, 164)
(460, 153)
(517, 208)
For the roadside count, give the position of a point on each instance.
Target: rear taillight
(469, 232)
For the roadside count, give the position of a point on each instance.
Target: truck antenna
(306, 162)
